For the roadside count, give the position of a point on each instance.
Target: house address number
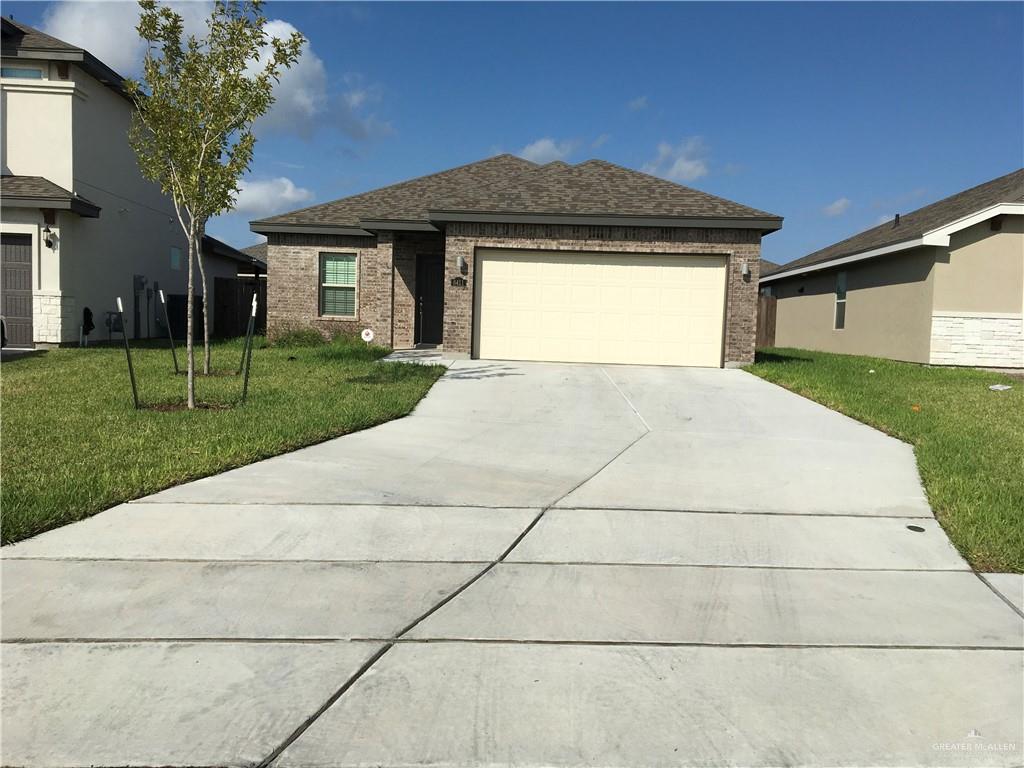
(458, 282)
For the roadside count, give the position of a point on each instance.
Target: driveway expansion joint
(295, 735)
(999, 594)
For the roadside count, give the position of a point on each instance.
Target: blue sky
(832, 115)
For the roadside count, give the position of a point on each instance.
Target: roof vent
(896, 221)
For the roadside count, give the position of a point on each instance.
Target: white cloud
(269, 196)
(686, 161)
(302, 101)
(546, 150)
(107, 29)
(300, 97)
(837, 207)
(352, 115)
(600, 141)
(635, 105)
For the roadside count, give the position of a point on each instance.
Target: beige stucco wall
(984, 270)
(888, 308)
(137, 226)
(36, 124)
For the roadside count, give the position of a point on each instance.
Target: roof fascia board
(43, 54)
(81, 207)
(905, 245)
(263, 228)
(765, 224)
(940, 236)
(398, 225)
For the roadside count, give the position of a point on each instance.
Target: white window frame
(321, 284)
(841, 277)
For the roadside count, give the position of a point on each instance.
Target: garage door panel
(654, 309)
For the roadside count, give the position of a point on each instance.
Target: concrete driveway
(545, 565)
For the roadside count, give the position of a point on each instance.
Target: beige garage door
(647, 309)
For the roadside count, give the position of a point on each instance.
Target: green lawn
(72, 444)
(969, 441)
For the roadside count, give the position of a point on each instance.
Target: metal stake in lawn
(170, 334)
(128, 353)
(247, 352)
(249, 328)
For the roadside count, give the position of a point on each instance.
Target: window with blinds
(338, 284)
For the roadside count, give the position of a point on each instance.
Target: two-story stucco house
(80, 225)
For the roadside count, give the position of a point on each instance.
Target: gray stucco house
(508, 259)
(943, 284)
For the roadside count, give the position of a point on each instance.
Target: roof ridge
(975, 188)
(916, 222)
(904, 216)
(405, 181)
(599, 161)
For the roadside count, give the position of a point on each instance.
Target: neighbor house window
(338, 284)
(840, 301)
(22, 72)
(175, 258)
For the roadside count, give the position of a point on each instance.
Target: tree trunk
(206, 306)
(190, 370)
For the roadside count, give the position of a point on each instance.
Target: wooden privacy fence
(766, 321)
(232, 303)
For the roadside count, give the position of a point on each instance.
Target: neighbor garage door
(16, 288)
(650, 309)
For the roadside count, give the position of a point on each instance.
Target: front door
(16, 289)
(429, 299)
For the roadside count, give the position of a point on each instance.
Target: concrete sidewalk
(544, 565)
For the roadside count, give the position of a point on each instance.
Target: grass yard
(73, 445)
(969, 441)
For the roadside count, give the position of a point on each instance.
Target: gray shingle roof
(768, 266)
(214, 247)
(258, 251)
(21, 36)
(506, 184)
(39, 192)
(913, 225)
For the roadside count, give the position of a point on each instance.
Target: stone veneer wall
(976, 338)
(293, 284)
(55, 318)
(742, 245)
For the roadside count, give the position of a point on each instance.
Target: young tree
(194, 111)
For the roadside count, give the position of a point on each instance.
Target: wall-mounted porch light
(461, 263)
(48, 237)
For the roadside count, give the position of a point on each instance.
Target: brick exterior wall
(740, 245)
(390, 260)
(409, 245)
(293, 284)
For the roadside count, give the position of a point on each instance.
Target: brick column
(458, 299)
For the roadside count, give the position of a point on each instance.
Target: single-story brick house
(508, 259)
(943, 285)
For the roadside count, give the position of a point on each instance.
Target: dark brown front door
(429, 299)
(16, 289)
